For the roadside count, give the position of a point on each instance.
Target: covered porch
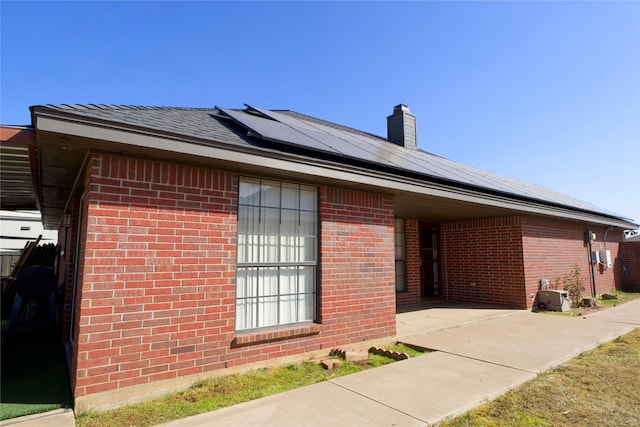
(439, 315)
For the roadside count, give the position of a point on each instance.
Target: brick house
(197, 240)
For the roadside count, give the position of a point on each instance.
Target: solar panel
(377, 150)
(276, 126)
(277, 131)
(336, 140)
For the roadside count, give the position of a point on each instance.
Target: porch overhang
(17, 167)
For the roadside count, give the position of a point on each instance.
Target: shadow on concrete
(439, 314)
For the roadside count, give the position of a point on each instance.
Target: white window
(401, 283)
(277, 254)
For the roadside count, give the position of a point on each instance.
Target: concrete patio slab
(442, 315)
(528, 341)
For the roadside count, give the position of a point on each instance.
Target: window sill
(274, 334)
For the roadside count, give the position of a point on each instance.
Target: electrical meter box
(553, 300)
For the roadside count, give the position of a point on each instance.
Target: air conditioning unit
(553, 300)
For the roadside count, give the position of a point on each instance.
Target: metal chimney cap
(401, 127)
(400, 107)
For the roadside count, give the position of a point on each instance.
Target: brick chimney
(401, 127)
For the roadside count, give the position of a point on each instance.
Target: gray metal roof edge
(533, 206)
(72, 114)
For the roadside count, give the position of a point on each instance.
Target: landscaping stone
(318, 360)
(391, 354)
(609, 296)
(353, 355)
(331, 363)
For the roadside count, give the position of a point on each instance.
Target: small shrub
(574, 285)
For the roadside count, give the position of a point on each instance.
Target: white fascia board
(278, 162)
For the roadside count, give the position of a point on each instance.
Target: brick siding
(505, 258)
(413, 294)
(156, 271)
(482, 261)
(553, 247)
(156, 278)
(357, 279)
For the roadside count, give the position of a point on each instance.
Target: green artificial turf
(34, 375)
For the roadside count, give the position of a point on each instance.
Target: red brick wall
(553, 247)
(157, 287)
(482, 261)
(357, 271)
(157, 276)
(413, 294)
(630, 254)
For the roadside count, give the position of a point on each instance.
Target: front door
(429, 261)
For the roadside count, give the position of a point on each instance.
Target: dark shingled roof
(211, 124)
(201, 123)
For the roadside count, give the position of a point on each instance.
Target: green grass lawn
(34, 375)
(217, 393)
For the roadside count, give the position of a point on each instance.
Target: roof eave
(77, 125)
(19, 195)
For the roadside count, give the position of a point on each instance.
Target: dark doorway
(429, 261)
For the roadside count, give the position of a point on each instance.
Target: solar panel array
(294, 131)
(344, 144)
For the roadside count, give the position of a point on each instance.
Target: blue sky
(545, 92)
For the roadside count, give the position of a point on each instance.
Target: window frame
(302, 296)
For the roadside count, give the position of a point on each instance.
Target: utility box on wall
(605, 258)
(553, 300)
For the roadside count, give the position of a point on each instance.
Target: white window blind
(277, 254)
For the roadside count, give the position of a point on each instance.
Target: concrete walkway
(476, 359)
(481, 352)
(57, 418)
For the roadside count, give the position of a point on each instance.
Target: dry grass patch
(598, 388)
